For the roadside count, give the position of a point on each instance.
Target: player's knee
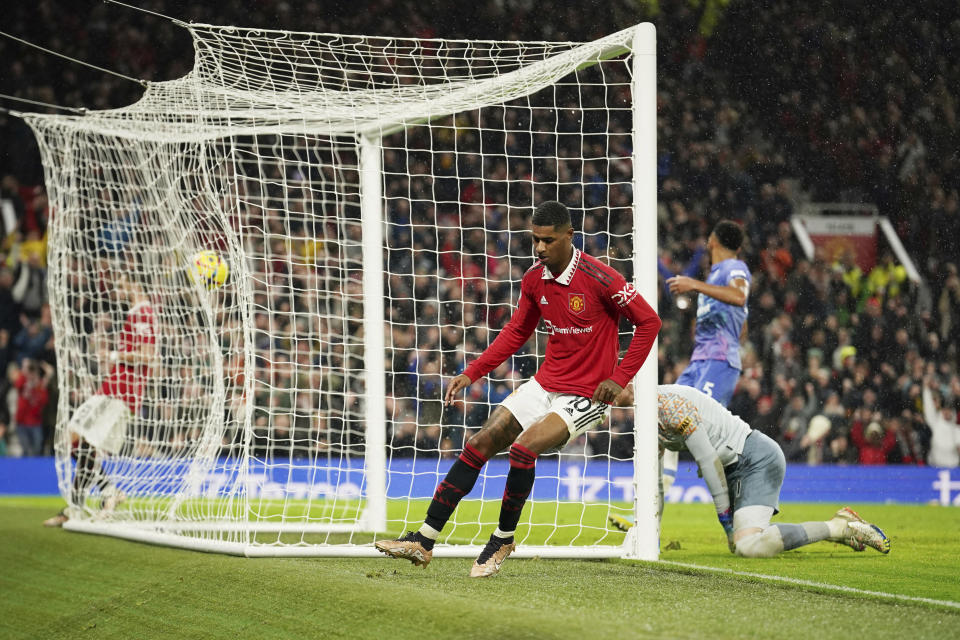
(484, 444)
(763, 544)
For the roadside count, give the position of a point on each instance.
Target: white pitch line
(819, 585)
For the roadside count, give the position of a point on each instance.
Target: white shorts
(531, 402)
(101, 421)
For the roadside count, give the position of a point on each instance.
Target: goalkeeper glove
(726, 521)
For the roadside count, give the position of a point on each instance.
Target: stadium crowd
(840, 366)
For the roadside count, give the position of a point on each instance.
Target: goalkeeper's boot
(412, 547)
(489, 561)
(620, 522)
(860, 534)
(57, 520)
(842, 519)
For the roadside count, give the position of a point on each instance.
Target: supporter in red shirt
(32, 397)
(874, 442)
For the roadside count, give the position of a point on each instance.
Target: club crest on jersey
(577, 302)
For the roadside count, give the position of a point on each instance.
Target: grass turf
(59, 584)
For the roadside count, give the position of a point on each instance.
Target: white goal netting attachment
(371, 197)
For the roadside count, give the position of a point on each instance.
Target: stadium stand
(832, 101)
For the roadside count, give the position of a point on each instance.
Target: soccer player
(580, 300)
(721, 313)
(744, 470)
(98, 425)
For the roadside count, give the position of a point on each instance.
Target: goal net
(371, 197)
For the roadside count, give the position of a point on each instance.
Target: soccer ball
(208, 269)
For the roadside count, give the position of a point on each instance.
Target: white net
(371, 198)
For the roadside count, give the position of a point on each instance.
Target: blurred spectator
(815, 440)
(9, 308)
(32, 396)
(942, 420)
(30, 284)
(873, 441)
(31, 340)
(948, 307)
(793, 424)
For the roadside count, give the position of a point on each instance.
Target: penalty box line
(810, 583)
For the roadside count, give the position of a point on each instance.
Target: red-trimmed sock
(519, 484)
(458, 482)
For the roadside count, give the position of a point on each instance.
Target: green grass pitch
(57, 584)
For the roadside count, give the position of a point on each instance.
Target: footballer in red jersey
(99, 425)
(135, 346)
(580, 301)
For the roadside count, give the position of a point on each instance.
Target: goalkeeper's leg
(755, 537)
(758, 492)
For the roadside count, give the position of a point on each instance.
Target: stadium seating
(807, 111)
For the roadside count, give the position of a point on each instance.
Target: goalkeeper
(99, 425)
(744, 471)
(581, 301)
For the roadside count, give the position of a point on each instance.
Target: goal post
(643, 541)
(371, 197)
(371, 208)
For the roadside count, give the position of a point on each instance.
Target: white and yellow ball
(209, 269)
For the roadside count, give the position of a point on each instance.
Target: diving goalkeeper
(744, 472)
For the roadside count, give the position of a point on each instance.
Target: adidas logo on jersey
(543, 300)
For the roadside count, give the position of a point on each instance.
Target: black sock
(458, 482)
(87, 472)
(519, 484)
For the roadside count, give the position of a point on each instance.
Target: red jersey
(31, 401)
(126, 382)
(581, 311)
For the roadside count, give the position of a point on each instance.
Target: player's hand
(456, 385)
(607, 391)
(625, 397)
(681, 284)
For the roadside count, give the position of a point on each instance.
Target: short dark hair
(551, 213)
(729, 234)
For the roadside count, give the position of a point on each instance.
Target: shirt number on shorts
(580, 404)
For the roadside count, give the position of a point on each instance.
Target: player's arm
(711, 468)
(735, 293)
(48, 372)
(929, 407)
(142, 355)
(646, 325)
(517, 331)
